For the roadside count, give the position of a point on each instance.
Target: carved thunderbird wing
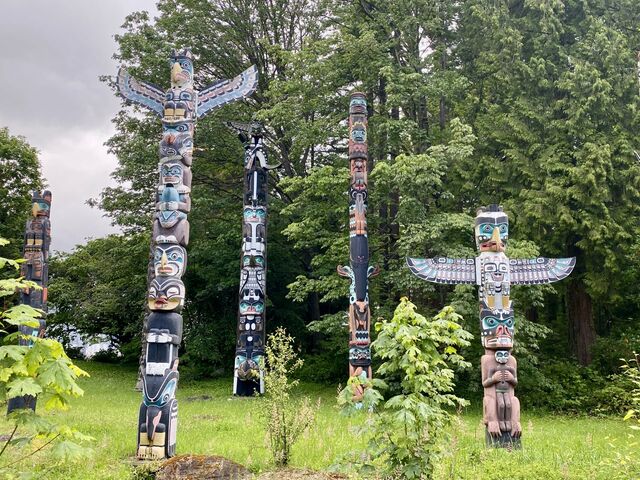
(142, 93)
(540, 270)
(226, 91)
(444, 270)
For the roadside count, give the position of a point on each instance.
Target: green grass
(555, 447)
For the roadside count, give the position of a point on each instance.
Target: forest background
(532, 104)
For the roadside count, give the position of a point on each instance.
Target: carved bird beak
(175, 72)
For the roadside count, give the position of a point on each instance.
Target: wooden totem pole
(179, 107)
(248, 375)
(358, 270)
(494, 273)
(37, 237)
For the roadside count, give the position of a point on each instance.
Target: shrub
(285, 418)
(407, 432)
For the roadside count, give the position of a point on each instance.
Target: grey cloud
(52, 55)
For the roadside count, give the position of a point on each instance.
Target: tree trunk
(582, 332)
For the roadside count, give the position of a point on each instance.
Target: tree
(19, 176)
(552, 89)
(98, 289)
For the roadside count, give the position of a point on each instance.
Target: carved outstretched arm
(444, 270)
(144, 94)
(540, 270)
(226, 91)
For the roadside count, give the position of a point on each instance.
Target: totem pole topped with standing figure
(179, 107)
(358, 270)
(248, 372)
(494, 273)
(35, 268)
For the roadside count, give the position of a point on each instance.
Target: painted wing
(227, 91)
(540, 270)
(444, 270)
(142, 93)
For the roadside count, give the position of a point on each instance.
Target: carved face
(492, 229)
(497, 328)
(169, 260)
(251, 307)
(177, 142)
(357, 104)
(41, 203)
(255, 215)
(502, 356)
(166, 294)
(169, 218)
(181, 68)
(359, 174)
(174, 173)
(253, 261)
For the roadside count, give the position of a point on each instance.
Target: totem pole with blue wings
(179, 107)
(359, 269)
(248, 371)
(494, 273)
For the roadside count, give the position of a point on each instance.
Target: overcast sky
(52, 55)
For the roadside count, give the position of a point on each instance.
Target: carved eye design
(152, 292)
(502, 268)
(490, 267)
(490, 322)
(173, 292)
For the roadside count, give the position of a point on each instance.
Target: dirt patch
(201, 467)
(293, 474)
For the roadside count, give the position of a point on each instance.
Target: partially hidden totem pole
(494, 273)
(248, 374)
(37, 237)
(358, 270)
(179, 107)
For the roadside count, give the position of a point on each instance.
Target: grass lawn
(211, 421)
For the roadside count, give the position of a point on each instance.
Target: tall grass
(213, 422)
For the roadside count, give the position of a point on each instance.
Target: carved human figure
(500, 405)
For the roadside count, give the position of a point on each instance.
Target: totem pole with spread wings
(179, 107)
(494, 273)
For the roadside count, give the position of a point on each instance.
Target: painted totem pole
(494, 273)
(359, 270)
(179, 107)
(248, 375)
(37, 237)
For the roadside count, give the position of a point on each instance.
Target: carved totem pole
(179, 107)
(494, 273)
(37, 237)
(359, 270)
(248, 375)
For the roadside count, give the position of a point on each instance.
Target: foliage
(19, 175)
(532, 105)
(419, 355)
(632, 372)
(100, 288)
(285, 418)
(40, 369)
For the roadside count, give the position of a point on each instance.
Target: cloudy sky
(52, 55)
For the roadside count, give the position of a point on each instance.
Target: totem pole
(37, 237)
(179, 107)
(359, 270)
(494, 273)
(248, 375)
